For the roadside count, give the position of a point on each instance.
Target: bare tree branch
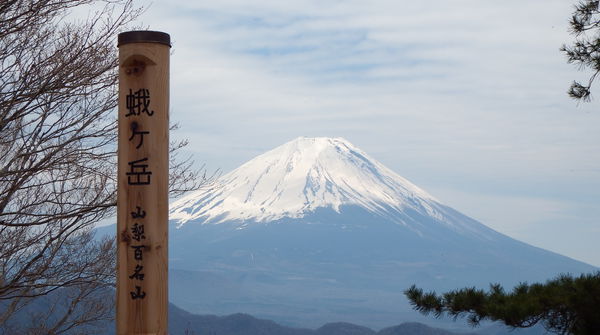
(58, 133)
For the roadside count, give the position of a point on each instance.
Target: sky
(465, 98)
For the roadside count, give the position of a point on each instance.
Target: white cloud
(467, 94)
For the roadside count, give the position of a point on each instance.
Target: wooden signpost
(143, 177)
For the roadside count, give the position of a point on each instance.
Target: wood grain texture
(143, 137)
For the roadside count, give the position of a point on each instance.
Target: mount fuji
(316, 231)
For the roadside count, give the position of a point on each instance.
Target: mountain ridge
(307, 174)
(298, 177)
(345, 255)
(183, 322)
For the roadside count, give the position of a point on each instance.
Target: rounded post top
(144, 36)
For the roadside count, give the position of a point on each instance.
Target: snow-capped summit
(316, 230)
(298, 177)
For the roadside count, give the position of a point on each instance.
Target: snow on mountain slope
(300, 176)
(315, 230)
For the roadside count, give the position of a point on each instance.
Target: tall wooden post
(143, 176)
